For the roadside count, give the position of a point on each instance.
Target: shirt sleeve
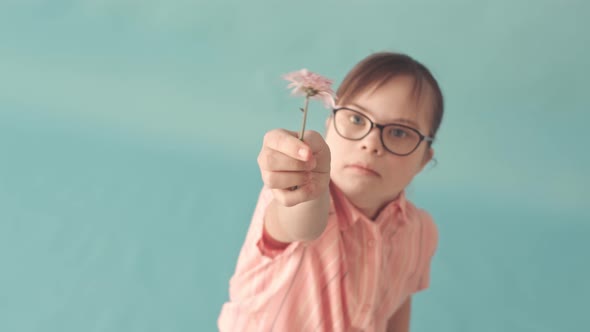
(258, 239)
(424, 281)
(263, 271)
(269, 246)
(429, 246)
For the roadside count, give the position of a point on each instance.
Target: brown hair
(378, 68)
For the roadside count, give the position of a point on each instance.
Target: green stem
(304, 118)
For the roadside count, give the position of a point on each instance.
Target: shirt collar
(348, 214)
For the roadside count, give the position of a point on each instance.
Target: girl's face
(368, 174)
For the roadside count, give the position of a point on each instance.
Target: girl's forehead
(398, 100)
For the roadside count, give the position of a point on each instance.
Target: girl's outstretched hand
(296, 171)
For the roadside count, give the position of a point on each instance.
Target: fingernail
(303, 153)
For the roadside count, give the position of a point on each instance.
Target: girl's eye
(398, 133)
(357, 120)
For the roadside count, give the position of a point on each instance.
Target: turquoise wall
(129, 132)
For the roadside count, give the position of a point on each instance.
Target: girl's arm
(400, 320)
(303, 222)
(285, 163)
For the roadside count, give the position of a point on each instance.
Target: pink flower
(308, 84)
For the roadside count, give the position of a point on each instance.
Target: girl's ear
(327, 124)
(428, 155)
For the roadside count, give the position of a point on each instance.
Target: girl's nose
(372, 142)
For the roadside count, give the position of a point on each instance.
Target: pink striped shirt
(352, 278)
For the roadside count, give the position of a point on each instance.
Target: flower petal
(327, 99)
(303, 81)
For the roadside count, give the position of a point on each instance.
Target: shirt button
(371, 243)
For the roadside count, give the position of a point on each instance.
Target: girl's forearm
(303, 222)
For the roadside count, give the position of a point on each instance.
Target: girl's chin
(356, 186)
(362, 181)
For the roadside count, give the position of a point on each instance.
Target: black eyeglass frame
(380, 127)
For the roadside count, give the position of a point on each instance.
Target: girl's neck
(371, 210)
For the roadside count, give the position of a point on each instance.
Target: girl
(345, 250)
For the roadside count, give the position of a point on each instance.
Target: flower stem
(304, 117)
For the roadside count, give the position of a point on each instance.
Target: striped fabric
(352, 278)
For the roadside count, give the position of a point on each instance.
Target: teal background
(129, 132)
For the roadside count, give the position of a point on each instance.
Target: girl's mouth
(363, 169)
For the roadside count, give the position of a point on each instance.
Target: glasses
(398, 139)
